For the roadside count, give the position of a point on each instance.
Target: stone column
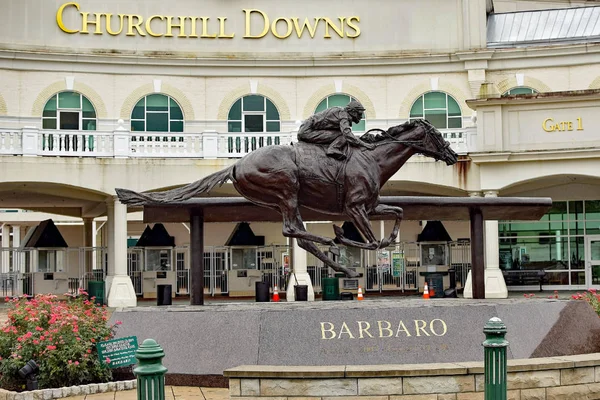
(118, 285)
(5, 248)
(88, 234)
(495, 287)
(299, 272)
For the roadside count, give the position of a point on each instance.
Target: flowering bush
(60, 336)
(592, 297)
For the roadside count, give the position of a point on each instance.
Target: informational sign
(118, 352)
(397, 263)
(383, 260)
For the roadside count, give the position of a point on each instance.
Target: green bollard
(495, 359)
(150, 372)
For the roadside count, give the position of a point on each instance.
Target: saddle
(320, 174)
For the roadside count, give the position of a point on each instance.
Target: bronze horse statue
(284, 177)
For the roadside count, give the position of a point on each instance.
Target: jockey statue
(333, 126)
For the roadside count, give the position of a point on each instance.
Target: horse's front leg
(360, 218)
(383, 209)
(314, 250)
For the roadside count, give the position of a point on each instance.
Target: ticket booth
(158, 255)
(244, 272)
(434, 242)
(45, 264)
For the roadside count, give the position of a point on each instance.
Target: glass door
(592, 258)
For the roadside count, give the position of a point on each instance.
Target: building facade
(149, 96)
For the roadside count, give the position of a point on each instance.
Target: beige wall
(385, 25)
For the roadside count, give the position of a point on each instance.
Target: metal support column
(197, 256)
(477, 253)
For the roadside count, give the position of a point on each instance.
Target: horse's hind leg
(360, 218)
(314, 250)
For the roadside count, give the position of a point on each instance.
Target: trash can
(331, 288)
(262, 292)
(163, 295)
(96, 289)
(301, 292)
(346, 296)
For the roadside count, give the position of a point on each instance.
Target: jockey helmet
(355, 105)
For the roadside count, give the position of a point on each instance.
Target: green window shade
(254, 103)
(273, 127)
(48, 123)
(157, 102)
(139, 110)
(69, 100)
(453, 107)
(235, 112)
(437, 118)
(322, 106)
(339, 100)
(253, 123)
(417, 109)
(235, 126)
(157, 122)
(138, 126)
(88, 108)
(272, 113)
(50, 108)
(520, 90)
(435, 100)
(176, 112)
(176, 126)
(89, 124)
(454, 123)
(360, 127)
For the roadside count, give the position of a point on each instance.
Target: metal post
(150, 372)
(477, 253)
(197, 256)
(495, 359)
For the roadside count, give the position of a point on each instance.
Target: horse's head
(424, 138)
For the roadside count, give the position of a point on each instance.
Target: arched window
(340, 100)
(69, 110)
(439, 108)
(519, 90)
(253, 113)
(157, 113)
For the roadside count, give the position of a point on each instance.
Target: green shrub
(60, 336)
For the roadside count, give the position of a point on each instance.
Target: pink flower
(118, 322)
(39, 328)
(107, 360)
(76, 362)
(51, 347)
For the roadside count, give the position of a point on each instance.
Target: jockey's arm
(346, 128)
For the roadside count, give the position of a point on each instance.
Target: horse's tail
(183, 193)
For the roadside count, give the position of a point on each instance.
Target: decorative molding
(263, 90)
(144, 90)
(157, 85)
(3, 108)
(511, 82)
(329, 90)
(425, 87)
(69, 81)
(595, 84)
(61, 86)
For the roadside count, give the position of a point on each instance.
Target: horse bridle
(417, 144)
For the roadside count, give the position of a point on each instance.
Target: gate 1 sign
(118, 352)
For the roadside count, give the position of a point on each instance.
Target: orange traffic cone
(360, 295)
(275, 294)
(426, 292)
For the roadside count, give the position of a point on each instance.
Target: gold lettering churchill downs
(258, 24)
